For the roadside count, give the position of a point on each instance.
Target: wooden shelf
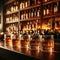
(49, 16)
(23, 9)
(12, 12)
(30, 7)
(56, 1)
(12, 22)
(50, 2)
(56, 15)
(46, 3)
(36, 18)
(10, 1)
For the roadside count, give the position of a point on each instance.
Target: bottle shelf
(50, 2)
(46, 3)
(29, 19)
(56, 1)
(12, 12)
(49, 16)
(56, 15)
(23, 9)
(31, 7)
(12, 22)
(10, 1)
(30, 11)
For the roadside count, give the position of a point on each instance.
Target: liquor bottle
(28, 25)
(10, 19)
(55, 9)
(38, 12)
(35, 2)
(8, 10)
(44, 11)
(21, 5)
(26, 28)
(38, 2)
(16, 7)
(12, 8)
(32, 2)
(33, 26)
(29, 14)
(26, 4)
(22, 15)
(35, 12)
(48, 10)
(45, 0)
(7, 20)
(32, 13)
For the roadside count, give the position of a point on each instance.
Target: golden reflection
(35, 53)
(25, 51)
(46, 27)
(9, 43)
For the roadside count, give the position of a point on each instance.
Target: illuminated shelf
(30, 7)
(29, 19)
(11, 22)
(12, 12)
(10, 1)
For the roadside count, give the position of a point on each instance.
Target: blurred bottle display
(25, 41)
(55, 8)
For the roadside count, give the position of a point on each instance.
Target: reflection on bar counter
(31, 40)
(28, 42)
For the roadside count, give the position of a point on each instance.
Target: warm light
(1, 33)
(45, 27)
(29, 36)
(51, 50)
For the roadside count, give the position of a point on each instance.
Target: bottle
(29, 13)
(44, 11)
(8, 10)
(38, 2)
(48, 10)
(16, 7)
(21, 5)
(35, 12)
(22, 15)
(12, 8)
(35, 2)
(55, 8)
(26, 4)
(38, 12)
(32, 13)
(28, 25)
(33, 26)
(45, 0)
(32, 2)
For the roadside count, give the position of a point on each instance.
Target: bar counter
(25, 54)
